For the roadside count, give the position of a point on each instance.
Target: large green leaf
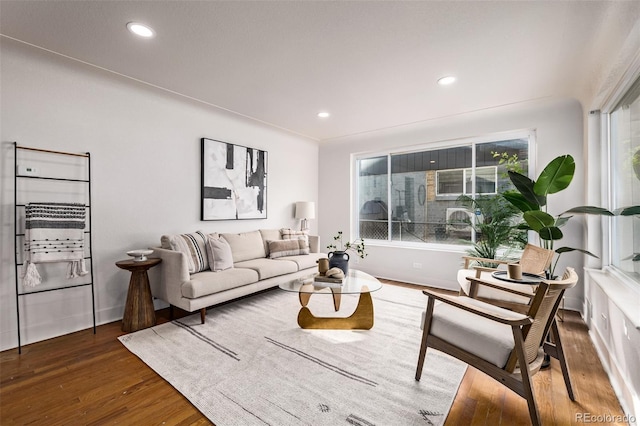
(589, 210)
(525, 186)
(556, 176)
(568, 249)
(537, 219)
(550, 233)
(519, 201)
(628, 211)
(561, 221)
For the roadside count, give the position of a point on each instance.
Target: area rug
(250, 363)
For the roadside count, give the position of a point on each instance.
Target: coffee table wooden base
(361, 319)
(305, 294)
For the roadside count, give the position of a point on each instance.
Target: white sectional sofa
(185, 277)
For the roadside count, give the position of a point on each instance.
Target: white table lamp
(305, 210)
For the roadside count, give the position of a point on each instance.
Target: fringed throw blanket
(54, 232)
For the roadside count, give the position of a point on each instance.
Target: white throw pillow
(219, 254)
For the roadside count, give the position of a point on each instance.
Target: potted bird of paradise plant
(531, 198)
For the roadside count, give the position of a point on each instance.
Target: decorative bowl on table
(139, 255)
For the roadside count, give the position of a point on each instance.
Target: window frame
(608, 190)
(464, 181)
(527, 133)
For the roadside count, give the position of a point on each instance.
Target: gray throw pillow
(219, 254)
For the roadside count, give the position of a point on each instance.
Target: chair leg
(526, 378)
(531, 402)
(425, 334)
(203, 314)
(559, 355)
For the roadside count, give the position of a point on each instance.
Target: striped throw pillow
(194, 245)
(287, 248)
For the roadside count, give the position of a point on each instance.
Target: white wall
(559, 130)
(145, 150)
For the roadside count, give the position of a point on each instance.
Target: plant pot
(339, 259)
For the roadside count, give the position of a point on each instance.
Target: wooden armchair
(506, 345)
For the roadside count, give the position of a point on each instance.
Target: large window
(625, 182)
(417, 196)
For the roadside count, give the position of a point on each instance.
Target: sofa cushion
(208, 282)
(267, 268)
(192, 245)
(283, 248)
(269, 235)
(246, 246)
(305, 261)
(219, 254)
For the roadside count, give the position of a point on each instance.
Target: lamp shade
(305, 210)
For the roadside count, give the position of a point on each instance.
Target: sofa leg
(203, 313)
(170, 312)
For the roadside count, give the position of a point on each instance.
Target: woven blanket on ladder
(54, 232)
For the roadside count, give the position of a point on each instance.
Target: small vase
(339, 259)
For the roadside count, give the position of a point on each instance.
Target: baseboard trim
(32, 333)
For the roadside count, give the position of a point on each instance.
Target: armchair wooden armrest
(507, 317)
(475, 282)
(469, 259)
(480, 269)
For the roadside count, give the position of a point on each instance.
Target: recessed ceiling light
(140, 29)
(323, 114)
(432, 161)
(445, 81)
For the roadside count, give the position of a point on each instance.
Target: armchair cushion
(487, 339)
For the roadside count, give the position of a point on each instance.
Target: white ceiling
(372, 65)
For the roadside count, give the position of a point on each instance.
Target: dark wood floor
(87, 379)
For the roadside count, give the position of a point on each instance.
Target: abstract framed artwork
(234, 181)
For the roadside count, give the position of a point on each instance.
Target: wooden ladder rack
(19, 235)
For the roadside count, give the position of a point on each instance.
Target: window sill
(624, 294)
(452, 248)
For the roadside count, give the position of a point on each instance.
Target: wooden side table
(138, 312)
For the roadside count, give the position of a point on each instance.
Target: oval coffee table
(356, 282)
